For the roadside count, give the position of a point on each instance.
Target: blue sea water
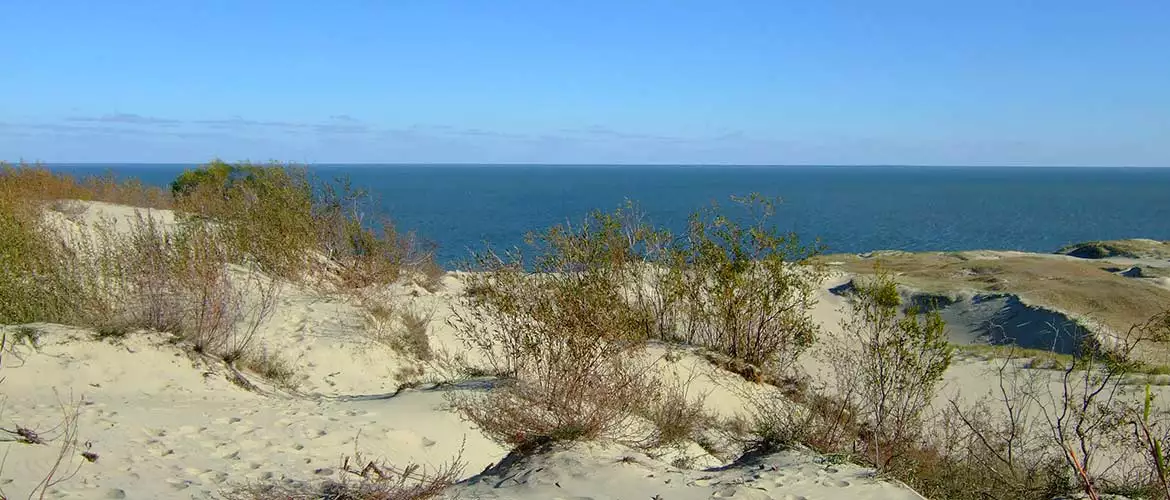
(851, 209)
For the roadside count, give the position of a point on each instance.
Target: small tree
(890, 364)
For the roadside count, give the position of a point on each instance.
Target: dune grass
(211, 277)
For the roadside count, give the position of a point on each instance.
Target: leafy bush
(216, 176)
(564, 335)
(889, 365)
(40, 278)
(289, 223)
(746, 288)
(566, 318)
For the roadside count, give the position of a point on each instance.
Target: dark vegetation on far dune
(565, 323)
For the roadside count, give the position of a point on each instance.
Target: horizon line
(536, 164)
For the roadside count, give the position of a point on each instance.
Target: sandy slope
(167, 425)
(597, 472)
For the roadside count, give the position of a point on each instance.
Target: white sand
(596, 471)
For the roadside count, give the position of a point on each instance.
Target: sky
(929, 82)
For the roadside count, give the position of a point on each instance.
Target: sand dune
(164, 422)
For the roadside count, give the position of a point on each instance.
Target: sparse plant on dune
(744, 287)
(565, 318)
(33, 182)
(298, 227)
(564, 335)
(1092, 412)
(889, 365)
(414, 336)
(1041, 435)
(676, 415)
(361, 479)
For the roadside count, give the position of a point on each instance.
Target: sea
(850, 209)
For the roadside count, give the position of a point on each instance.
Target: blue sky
(987, 82)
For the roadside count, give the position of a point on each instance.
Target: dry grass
(359, 479)
(207, 278)
(675, 415)
(150, 276)
(414, 337)
(273, 367)
(34, 182)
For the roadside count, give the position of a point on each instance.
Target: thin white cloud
(127, 118)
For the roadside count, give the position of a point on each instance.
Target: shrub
(40, 278)
(889, 366)
(264, 212)
(744, 287)
(564, 335)
(372, 481)
(272, 367)
(217, 176)
(676, 417)
(414, 337)
(298, 227)
(566, 318)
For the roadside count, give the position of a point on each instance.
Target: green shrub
(298, 227)
(40, 279)
(745, 288)
(889, 366)
(564, 335)
(218, 176)
(566, 318)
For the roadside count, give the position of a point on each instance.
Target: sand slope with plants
(255, 333)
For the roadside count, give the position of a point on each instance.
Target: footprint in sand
(734, 492)
(179, 484)
(214, 476)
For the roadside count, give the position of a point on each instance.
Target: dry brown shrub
(675, 415)
(273, 367)
(414, 337)
(565, 337)
(35, 182)
(567, 404)
(359, 479)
